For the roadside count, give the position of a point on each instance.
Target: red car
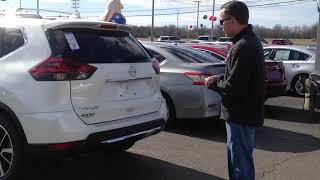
(281, 42)
(275, 82)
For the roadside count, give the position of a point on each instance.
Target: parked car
(71, 84)
(282, 42)
(182, 75)
(275, 82)
(224, 39)
(224, 45)
(299, 62)
(170, 39)
(312, 47)
(207, 38)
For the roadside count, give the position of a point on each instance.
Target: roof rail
(35, 13)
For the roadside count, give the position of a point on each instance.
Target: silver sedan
(299, 62)
(182, 74)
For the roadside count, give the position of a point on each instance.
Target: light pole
(177, 29)
(213, 4)
(152, 26)
(317, 63)
(37, 7)
(197, 1)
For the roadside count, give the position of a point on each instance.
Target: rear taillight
(61, 69)
(155, 65)
(197, 78)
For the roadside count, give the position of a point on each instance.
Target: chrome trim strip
(132, 135)
(127, 80)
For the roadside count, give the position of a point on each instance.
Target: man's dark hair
(238, 10)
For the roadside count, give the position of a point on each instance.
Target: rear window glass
(12, 40)
(96, 46)
(203, 38)
(213, 54)
(191, 56)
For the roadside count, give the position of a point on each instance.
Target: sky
(266, 13)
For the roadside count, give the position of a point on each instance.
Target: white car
(71, 84)
(299, 62)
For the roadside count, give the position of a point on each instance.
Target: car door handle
(295, 65)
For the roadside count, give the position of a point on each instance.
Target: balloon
(213, 18)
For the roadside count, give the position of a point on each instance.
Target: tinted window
(174, 38)
(191, 56)
(96, 46)
(213, 54)
(203, 38)
(12, 40)
(164, 38)
(159, 57)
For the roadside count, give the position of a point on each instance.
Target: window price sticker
(72, 41)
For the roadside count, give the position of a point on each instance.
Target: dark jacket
(242, 86)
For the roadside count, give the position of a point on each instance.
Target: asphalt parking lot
(287, 147)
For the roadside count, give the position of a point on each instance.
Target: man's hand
(209, 80)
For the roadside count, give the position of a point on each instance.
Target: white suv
(70, 84)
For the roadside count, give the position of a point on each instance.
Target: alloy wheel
(299, 87)
(6, 152)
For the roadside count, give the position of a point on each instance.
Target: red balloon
(213, 18)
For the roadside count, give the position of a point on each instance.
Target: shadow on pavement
(123, 166)
(279, 140)
(287, 114)
(267, 138)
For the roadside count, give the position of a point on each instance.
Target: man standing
(241, 88)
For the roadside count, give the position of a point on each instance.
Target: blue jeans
(240, 142)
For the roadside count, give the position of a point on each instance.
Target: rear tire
(298, 85)
(171, 122)
(11, 151)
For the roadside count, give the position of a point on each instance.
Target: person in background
(241, 89)
(113, 12)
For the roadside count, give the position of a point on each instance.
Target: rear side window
(12, 40)
(191, 56)
(96, 46)
(295, 55)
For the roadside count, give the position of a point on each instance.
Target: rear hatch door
(124, 84)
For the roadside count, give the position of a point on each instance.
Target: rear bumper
(101, 139)
(65, 126)
(196, 102)
(275, 89)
